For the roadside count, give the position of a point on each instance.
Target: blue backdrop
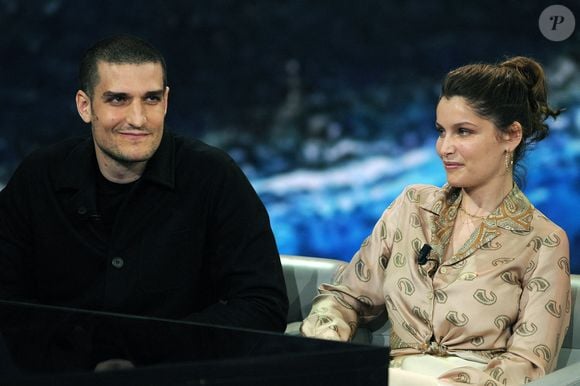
(328, 106)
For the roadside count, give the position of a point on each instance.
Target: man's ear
(83, 102)
(514, 135)
(166, 98)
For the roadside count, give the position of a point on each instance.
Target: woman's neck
(482, 201)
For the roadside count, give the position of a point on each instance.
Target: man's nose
(136, 115)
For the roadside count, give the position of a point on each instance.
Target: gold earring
(509, 160)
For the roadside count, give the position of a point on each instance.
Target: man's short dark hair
(119, 49)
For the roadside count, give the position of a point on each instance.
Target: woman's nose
(445, 145)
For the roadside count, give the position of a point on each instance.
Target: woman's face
(471, 147)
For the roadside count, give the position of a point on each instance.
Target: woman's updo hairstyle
(514, 90)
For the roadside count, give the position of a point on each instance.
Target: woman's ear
(83, 102)
(513, 136)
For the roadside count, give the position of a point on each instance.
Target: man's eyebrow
(157, 93)
(110, 94)
(124, 95)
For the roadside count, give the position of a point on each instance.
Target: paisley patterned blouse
(502, 299)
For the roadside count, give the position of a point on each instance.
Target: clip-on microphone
(423, 253)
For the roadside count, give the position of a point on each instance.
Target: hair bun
(532, 74)
(530, 70)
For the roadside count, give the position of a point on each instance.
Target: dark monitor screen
(46, 345)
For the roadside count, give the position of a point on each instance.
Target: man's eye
(153, 99)
(116, 100)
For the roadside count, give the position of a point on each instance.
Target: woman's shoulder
(542, 224)
(539, 224)
(425, 188)
(421, 193)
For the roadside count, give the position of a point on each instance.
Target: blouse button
(443, 270)
(118, 262)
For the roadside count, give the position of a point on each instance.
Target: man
(134, 219)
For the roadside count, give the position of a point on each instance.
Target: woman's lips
(452, 165)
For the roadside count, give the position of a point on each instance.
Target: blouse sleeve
(543, 319)
(357, 293)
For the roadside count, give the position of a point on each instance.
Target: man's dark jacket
(192, 240)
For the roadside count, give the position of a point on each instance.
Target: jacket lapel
(158, 177)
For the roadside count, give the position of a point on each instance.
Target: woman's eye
(463, 131)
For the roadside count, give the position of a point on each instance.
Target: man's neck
(120, 173)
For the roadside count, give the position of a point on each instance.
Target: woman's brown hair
(513, 90)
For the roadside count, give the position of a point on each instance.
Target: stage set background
(328, 106)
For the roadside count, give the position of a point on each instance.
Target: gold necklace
(472, 215)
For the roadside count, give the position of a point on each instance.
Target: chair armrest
(567, 376)
(303, 276)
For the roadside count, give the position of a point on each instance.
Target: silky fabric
(502, 299)
(424, 370)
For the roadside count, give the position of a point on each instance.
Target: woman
(475, 280)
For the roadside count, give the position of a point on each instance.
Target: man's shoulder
(57, 150)
(194, 150)
(197, 162)
(51, 161)
(51, 155)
